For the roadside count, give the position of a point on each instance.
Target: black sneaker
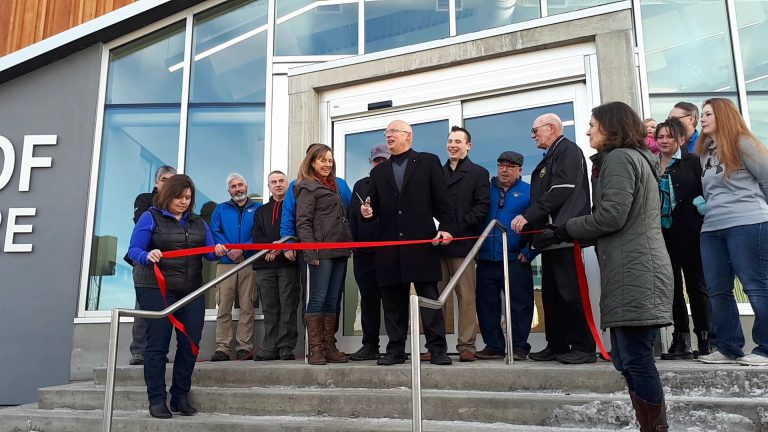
(220, 356)
(391, 358)
(547, 354)
(286, 353)
(367, 352)
(488, 354)
(266, 356)
(243, 354)
(576, 357)
(440, 359)
(183, 407)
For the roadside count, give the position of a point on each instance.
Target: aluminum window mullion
(644, 90)
(361, 27)
(185, 83)
(269, 94)
(738, 64)
(543, 4)
(452, 25)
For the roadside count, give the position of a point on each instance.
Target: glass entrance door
(497, 124)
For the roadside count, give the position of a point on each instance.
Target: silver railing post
(415, 363)
(507, 299)
(109, 391)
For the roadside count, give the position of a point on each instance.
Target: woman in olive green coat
(635, 271)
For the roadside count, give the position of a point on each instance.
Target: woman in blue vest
(171, 225)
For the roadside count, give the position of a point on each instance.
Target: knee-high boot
(332, 354)
(315, 333)
(651, 417)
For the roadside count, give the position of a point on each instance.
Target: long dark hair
(674, 127)
(316, 151)
(174, 188)
(621, 126)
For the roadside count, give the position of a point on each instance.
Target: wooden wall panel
(24, 22)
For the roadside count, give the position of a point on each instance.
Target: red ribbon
(580, 272)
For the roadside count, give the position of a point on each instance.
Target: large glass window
(316, 28)
(141, 133)
(555, 7)
(476, 15)
(687, 47)
(396, 23)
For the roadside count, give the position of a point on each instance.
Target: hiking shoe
(286, 353)
(488, 354)
(266, 356)
(136, 359)
(717, 358)
(576, 357)
(753, 360)
(367, 352)
(220, 356)
(244, 354)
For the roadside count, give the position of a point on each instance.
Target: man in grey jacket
(559, 191)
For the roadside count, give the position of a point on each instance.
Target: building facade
(219, 86)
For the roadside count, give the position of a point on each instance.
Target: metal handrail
(114, 329)
(416, 301)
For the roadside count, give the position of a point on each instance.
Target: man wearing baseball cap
(364, 262)
(510, 196)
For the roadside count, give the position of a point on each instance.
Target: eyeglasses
(536, 129)
(391, 131)
(507, 166)
(680, 117)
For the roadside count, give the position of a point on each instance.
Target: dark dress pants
(364, 266)
(490, 287)
(158, 341)
(395, 299)
(564, 322)
(697, 295)
(279, 290)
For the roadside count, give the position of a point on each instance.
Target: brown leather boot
(332, 354)
(316, 354)
(651, 417)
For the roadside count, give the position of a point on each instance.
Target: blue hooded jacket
(516, 201)
(230, 225)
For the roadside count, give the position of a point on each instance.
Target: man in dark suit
(469, 189)
(407, 192)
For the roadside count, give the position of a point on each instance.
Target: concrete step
(679, 377)
(565, 409)
(29, 418)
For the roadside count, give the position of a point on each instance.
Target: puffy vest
(183, 274)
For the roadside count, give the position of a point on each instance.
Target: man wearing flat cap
(510, 196)
(364, 262)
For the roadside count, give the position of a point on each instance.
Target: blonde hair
(729, 130)
(315, 152)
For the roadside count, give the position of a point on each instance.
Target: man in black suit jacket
(469, 190)
(407, 192)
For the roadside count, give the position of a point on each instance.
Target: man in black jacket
(469, 188)
(277, 278)
(407, 192)
(559, 191)
(364, 262)
(141, 204)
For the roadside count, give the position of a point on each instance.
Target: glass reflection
(687, 47)
(135, 143)
(143, 71)
(555, 7)
(476, 15)
(753, 28)
(758, 116)
(495, 133)
(230, 45)
(662, 104)
(396, 23)
(319, 28)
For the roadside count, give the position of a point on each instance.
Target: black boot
(705, 343)
(680, 349)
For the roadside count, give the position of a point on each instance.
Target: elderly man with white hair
(231, 223)
(559, 191)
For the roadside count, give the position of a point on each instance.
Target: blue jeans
(326, 282)
(490, 286)
(632, 355)
(741, 251)
(159, 338)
